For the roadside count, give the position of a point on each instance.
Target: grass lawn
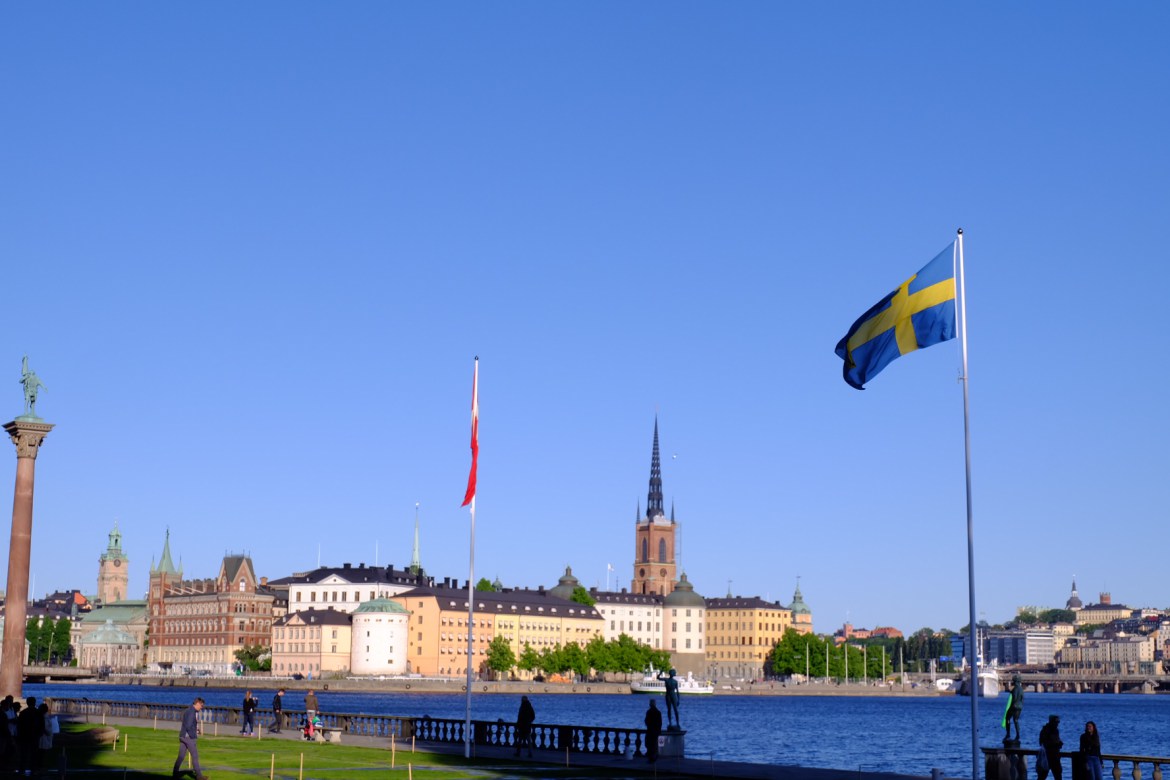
(144, 752)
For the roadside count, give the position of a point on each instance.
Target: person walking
(1091, 751)
(249, 710)
(278, 711)
(311, 709)
(188, 737)
(653, 722)
(524, 720)
(1051, 742)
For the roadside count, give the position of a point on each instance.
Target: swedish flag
(921, 312)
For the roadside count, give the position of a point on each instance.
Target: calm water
(904, 735)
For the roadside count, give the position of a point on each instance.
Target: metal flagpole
(973, 633)
(470, 623)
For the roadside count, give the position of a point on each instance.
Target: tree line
(599, 657)
(48, 640)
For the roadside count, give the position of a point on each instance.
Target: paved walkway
(639, 768)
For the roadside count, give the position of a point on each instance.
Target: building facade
(379, 638)
(344, 588)
(741, 632)
(311, 643)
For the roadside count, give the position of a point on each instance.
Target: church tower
(113, 570)
(654, 537)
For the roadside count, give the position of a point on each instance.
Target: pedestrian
(29, 728)
(311, 708)
(277, 711)
(249, 710)
(52, 729)
(1051, 742)
(188, 736)
(1091, 751)
(524, 720)
(653, 731)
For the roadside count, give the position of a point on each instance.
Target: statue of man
(671, 698)
(31, 383)
(1014, 707)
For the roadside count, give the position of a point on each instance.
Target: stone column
(27, 435)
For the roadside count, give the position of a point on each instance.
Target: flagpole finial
(960, 233)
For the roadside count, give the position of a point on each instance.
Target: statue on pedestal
(32, 383)
(671, 699)
(1012, 713)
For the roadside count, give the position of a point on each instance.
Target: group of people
(26, 733)
(1049, 758)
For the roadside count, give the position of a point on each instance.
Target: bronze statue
(1015, 705)
(31, 383)
(671, 699)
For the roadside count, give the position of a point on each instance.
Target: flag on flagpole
(470, 495)
(920, 313)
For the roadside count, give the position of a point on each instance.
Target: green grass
(144, 752)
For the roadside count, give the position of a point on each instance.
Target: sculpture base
(672, 743)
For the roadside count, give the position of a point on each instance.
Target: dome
(798, 606)
(109, 634)
(684, 595)
(380, 605)
(565, 585)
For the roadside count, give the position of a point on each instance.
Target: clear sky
(253, 248)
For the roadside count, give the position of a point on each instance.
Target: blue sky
(253, 249)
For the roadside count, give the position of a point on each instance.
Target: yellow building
(437, 635)
(741, 632)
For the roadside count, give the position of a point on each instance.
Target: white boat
(989, 686)
(686, 685)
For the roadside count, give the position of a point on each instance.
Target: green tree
(529, 659)
(575, 660)
(255, 658)
(1026, 617)
(627, 655)
(581, 596)
(500, 658)
(32, 635)
(601, 654)
(552, 660)
(485, 584)
(59, 645)
(1058, 616)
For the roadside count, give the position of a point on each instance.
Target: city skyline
(255, 250)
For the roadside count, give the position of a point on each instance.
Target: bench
(327, 734)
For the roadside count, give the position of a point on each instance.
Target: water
(906, 735)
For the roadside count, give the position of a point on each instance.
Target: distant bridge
(42, 674)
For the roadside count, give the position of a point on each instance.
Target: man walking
(188, 736)
(277, 711)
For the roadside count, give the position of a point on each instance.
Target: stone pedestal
(672, 743)
(27, 434)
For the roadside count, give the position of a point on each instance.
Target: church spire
(654, 497)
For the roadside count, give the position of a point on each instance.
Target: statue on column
(32, 384)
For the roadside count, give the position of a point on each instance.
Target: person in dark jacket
(653, 722)
(1051, 742)
(277, 711)
(30, 725)
(1091, 750)
(249, 710)
(188, 737)
(524, 720)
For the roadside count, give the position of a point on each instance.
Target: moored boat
(686, 685)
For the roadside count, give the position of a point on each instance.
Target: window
(662, 551)
(645, 550)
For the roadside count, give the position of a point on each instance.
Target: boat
(686, 685)
(989, 686)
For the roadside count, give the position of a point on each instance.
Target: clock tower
(654, 537)
(113, 574)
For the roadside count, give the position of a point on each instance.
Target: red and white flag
(470, 495)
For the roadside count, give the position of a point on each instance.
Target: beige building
(314, 643)
(437, 627)
(126, 616)
(741, 632)
(379, 638)
(113, 581)
(343, 588)
(1120, 655)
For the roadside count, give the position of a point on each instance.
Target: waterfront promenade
(618, 766)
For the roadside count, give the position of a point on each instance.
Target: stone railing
(576, 739)
(1013, 763)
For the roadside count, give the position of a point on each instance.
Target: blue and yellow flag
(921, 312)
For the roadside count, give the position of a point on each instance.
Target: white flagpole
(467, 735)
(973, 633)
(470, 623)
